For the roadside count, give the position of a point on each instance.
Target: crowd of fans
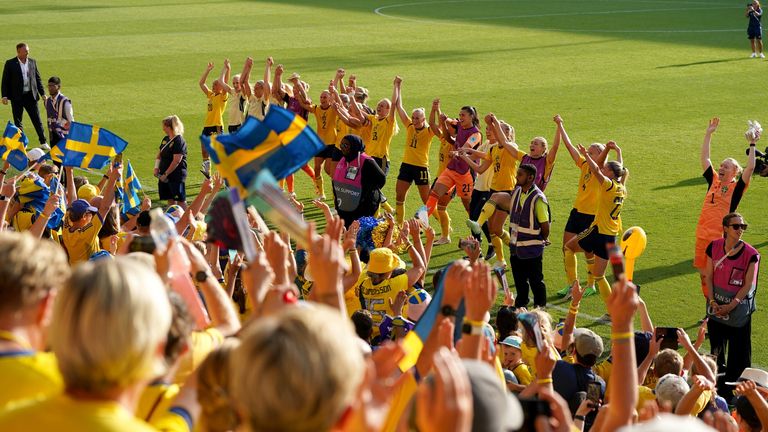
(97, 334)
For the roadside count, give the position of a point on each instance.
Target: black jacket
(13, 81)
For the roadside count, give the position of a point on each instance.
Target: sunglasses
(742, 227)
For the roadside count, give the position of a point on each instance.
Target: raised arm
(277, 85)
(707, 144)
(338, 80)
(71, 191)
(482, 166)
(204, 78)
(417, 269)
(493, 123)
(573, 151)
(615, 147)
(434, 114)
(224, 78)
(395, 96)
(399, 103)
(552, 153)
(355, 113)
(109, 192)
(267, 71)
(344, 116)
(245, 85)
(301, 96)
(746, 176)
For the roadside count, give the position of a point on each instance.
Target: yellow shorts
(462, 182)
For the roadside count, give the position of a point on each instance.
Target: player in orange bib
(725, 191)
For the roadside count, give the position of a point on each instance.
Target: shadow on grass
(661, 272)
(682, 183)
(706, 62)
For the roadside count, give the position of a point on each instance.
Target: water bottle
(163, 231)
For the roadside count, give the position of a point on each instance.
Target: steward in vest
(58, 110)
(356, 182)
(529, 233)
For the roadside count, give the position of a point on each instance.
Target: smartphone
(466, 243)
(617, 260)
(530, 323)
(593, 392)
(668, 337)
(533, 408)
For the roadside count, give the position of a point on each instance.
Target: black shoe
(490, 253)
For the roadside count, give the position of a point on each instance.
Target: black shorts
(210, 130)
(383, 164)
(172, 190)
(578, 222)
(330, 152)
(413, 174)
(233, 128)
(755, 33)
(593, 242)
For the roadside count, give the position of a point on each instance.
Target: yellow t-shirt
(377, 297)
(28, 375)
(610, 202)
(352, 295)
(201, 343)
(504, 167)
(380, 137)
(586, 195)
(603, 370)
(156, 400)
(217, 103)
(405, 390)
(529, 355)
(444, 157)
(63, 414)
(326, 124)
(81, 243)
(342, 130)
(644, 394)
(523, 374)
(417, 144)
(482, 180)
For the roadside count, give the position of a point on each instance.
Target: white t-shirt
(237, 109)
(483, 180)
(258, 106)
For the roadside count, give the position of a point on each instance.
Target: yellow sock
(590, 275)
(445, 222)
(400, 212)
(386, 207)
(505, 237)
(486, 212)
(603, 287)
(498, 246)
(319, 187)
(569, 258)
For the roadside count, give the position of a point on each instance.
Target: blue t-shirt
(568, 379)
(754, 18)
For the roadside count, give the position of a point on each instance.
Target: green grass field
(646, 73)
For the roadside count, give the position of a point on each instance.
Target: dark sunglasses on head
(742, 227)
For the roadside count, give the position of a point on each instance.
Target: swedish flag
(88, 146)
(13, 147)
(34, 193)
(282, 143)
(129, 191)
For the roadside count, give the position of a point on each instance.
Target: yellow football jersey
(586, 195)
(201, 343)
(504, 167)
(377, 297)
(342, 130)
(28, 375)
(609, 205)
(217, 103)
(380, 137)
(326, 124)
(444, 157)
(156, 399)
(417, 144)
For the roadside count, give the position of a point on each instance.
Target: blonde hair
(214, 390)
(543, 141)
(508, 130)
(391, 107)
(108, 323)
(31, 268)
(736, 163)
(174, 122)
(545, 324)
(297, 371)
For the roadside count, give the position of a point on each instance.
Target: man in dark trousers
(529, 219)
(22, 86)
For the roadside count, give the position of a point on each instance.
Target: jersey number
(413, 143)
(616, 212)
(371, 306)
(375, 135)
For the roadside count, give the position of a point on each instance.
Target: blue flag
(91, 147)
(13, 147)
(282, 143)
(129, 191)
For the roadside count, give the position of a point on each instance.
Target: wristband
(737, 300)
(573, 310)
(712, 302)
(752, 144)
(544, 381)
(620, 336)
(157, 163)
(578, 417)
(3, 172)
(474, 323)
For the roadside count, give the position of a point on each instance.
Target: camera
(761, 162)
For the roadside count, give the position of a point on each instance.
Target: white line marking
(580, 315)
(378, 11)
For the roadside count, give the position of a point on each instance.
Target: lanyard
(727, 254)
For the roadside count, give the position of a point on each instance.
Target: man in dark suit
(22, 86)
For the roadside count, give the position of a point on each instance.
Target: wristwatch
(448, 311)
(470, 329)
(201, 276)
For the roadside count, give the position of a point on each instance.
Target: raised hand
(490, 118)
(209, 67)
(279, 69)
(558, 120)
(713, 124)
(456, 277)
(269, 62)
(622, 303)
(226, 63)
(350, 237)
(480, 292)
(444, 401)
(396, 306)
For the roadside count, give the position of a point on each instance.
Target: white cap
(760, 377)
(35, 154)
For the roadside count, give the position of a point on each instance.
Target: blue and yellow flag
(13, 147)
(129, 190)
(92, 147)
(34, 193)
(282, 143)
